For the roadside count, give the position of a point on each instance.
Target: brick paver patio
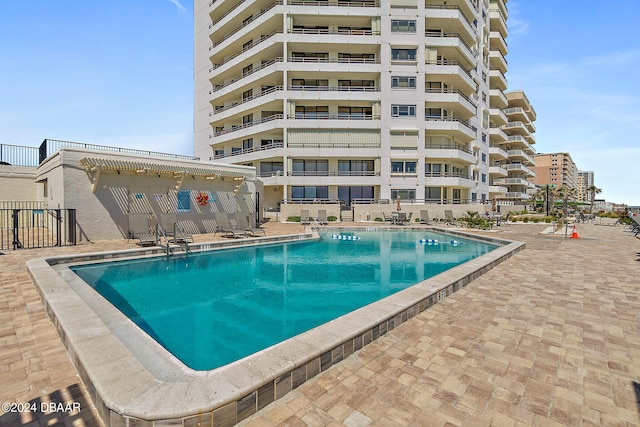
(551, 337)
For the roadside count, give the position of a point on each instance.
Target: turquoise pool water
(212, 308)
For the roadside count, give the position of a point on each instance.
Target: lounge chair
(181, 235)
(225, 227)
(322, 217)
(168, 222)
(244, 225)
(387, 218)
(449, 218)
(305, 218)
(401, 219)
(424, 217)
(139, 229)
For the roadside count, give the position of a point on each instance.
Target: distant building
(585, 180)
(557, 169)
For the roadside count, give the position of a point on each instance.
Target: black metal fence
(17, 155)
(37, 228)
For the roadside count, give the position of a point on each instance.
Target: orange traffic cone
(574, 235)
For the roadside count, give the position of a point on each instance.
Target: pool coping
(156, 393)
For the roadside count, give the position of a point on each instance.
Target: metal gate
(37, 228)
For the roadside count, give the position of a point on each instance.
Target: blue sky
(119, 72)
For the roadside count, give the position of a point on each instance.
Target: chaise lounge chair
(139, 229)
(224, 226)
(305, 218)
(243, 225)
(449, 218)
(322, 217)
(424, 217)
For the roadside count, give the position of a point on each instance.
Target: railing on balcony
(246, 125)
(342, 32)
(246, 48)
(447, 147)
(245, 23)
(447, 62)
(248, 151)
(17, 155)
(403, 202)
(334, 60)
(327, 116)
(234, 7)
(339, 3)
(305, 88)
(454, 91)
(447, 175)
(451, 35)
(451, 119)
(247, 99)
(333, 173)
(262, 66)
(348, 145)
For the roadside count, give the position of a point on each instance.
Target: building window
(403, 26)
(355, 167)
(300, 167)
(484, 177)
(309, 192)
(404, 194)
(403, 166)
(399, 110)
(271, 168)
(403, 82)
(484, 158)
(403, 54)
(247, 143)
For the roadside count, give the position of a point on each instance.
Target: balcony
(450, 152)
(496, 41)
(498, 190)
(497, 79)
(236, 128)
(521, 155)
(359, 93)
(231, 105)
(497, 153)
(452, 100)
(497, 117)
(333, 173)
(457, 127)
(512, 181)
(340, 3)
(518, 167)
(247, 151)
(451, 73)
(498, 22)
(327, 116)
(335, 36)
(497, 135)
(257, 42)
(451, 45)
(245, 23)
(449, 179)
(516, 128)
(497, 98)
(497, 60)
(262, 66)
(498, 171)
(452, 19)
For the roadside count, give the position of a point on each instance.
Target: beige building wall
(557, 169)
(17, 183)
(104, 213)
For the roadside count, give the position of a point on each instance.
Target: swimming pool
(213, 308)
(133, 379)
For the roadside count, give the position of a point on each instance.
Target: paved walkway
(550, 337)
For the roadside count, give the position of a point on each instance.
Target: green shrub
(378, 219)
(293, 218)
(536, 220)
(548, 219)
(525, 219)
(332, 218)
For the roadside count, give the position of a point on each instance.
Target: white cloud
(178, 5)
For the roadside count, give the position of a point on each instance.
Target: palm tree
(566, 193)
(547, 194)
(593, 190)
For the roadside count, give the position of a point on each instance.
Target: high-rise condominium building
(585, 181)
(557, 169)
(348, 100)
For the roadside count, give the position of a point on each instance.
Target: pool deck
(549, 337)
